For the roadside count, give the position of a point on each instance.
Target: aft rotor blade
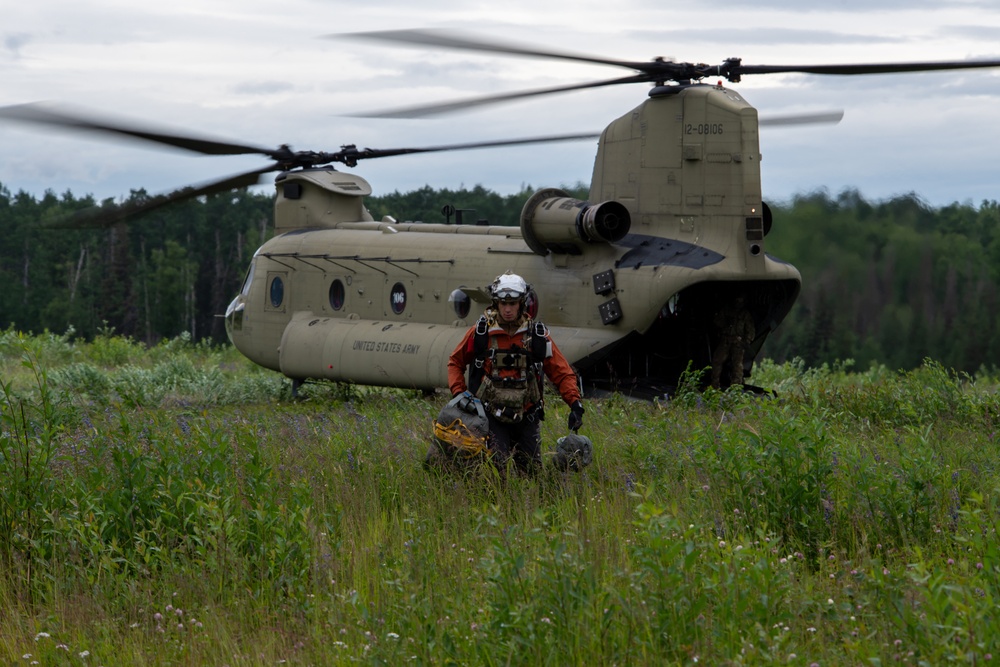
(46, 114)
(449, 40)
(424, 110)
(389, 152)
(871, 68)
(104, 216)
(803, 119)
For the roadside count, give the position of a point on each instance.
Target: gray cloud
(742, 37)
(233, 73)
(984, 33)
(13, 42)
(851, 6)
(262, 88)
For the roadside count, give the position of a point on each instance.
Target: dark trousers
(521, 441)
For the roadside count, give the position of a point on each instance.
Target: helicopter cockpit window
(337, 294)
(461, 302)
(277, 292)
(245, 291)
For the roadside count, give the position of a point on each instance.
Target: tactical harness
(508, 395)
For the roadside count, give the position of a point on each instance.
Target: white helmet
(509, 286)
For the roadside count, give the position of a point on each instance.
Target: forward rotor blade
(103, 216)
(449, 40)
(424, 110)
(871, 68)
(46, 114)
(803, 119)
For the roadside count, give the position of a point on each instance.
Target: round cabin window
(277, 292)
(461, 302)
(397, 298)
(337, 294)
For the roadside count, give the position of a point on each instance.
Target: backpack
(461, 429)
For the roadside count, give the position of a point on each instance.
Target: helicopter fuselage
(628, 286)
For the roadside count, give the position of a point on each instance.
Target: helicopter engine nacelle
(552, 221)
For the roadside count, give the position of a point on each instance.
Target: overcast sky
(261, 72)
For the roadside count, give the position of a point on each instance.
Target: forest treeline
(890, 282)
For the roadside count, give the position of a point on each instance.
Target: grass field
(175, 506)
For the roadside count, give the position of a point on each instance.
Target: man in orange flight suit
(510, 358)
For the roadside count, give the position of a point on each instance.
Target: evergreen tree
(889, 282)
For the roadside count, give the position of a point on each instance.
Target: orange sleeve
(459, 360)
(562, 375)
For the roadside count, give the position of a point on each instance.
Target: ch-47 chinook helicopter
(628, 282)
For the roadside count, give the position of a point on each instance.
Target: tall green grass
(175, 506)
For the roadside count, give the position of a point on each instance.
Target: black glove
(575, 416)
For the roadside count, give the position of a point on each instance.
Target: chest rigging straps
(535, 341)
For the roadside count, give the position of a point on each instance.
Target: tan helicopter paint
(368, 259)
(336, 195)
(686, 165)
(682, 168)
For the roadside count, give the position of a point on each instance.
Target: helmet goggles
(508, 296)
